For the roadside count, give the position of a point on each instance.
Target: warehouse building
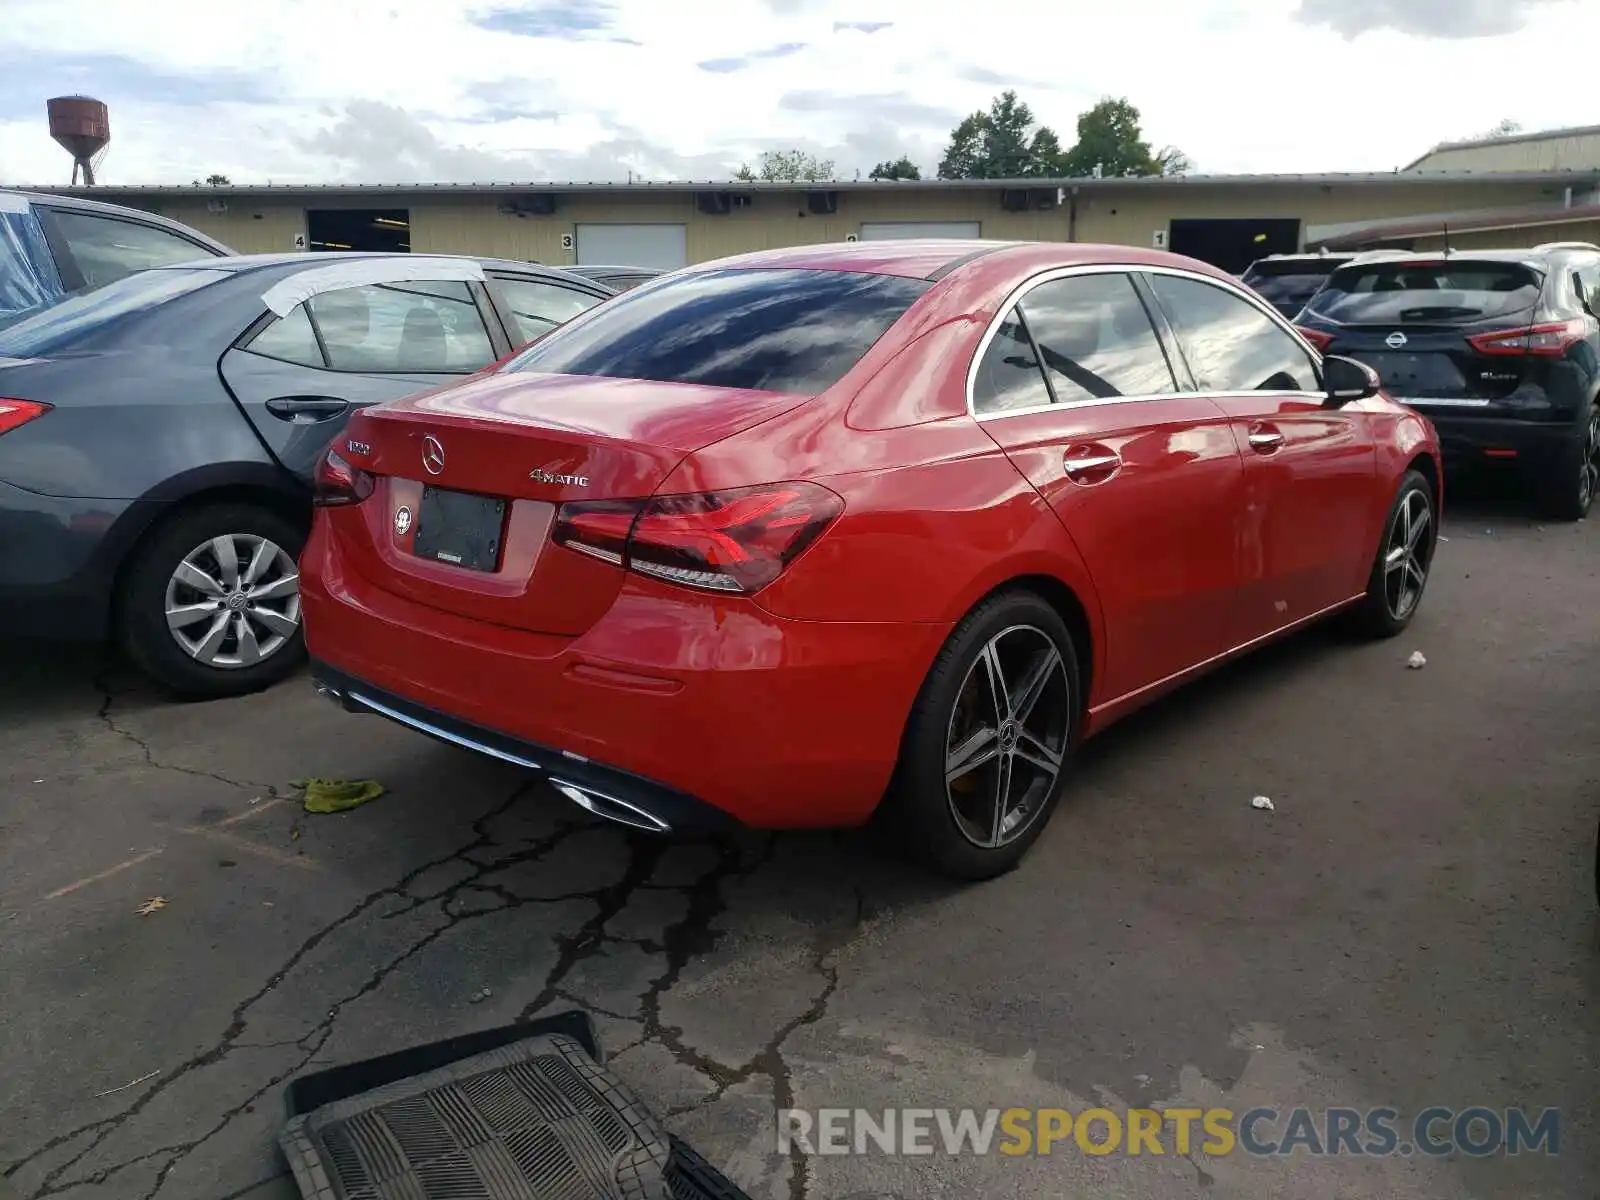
(1227, 220)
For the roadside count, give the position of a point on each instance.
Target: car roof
(610, 269)
(80, 204)
(243, 263)
(1401, 257)
(935, 258)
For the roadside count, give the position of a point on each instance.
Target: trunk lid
(469, 479)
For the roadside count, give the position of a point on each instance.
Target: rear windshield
(794, 331)
(1431, 291)
(1281, 289)
(79, 315)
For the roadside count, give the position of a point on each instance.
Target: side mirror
(1347, 380)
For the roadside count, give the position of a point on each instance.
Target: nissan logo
(432, 455)
(1395, 340)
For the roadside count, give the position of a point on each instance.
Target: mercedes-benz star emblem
(402, 520)
(432, 455)
(1395, 340)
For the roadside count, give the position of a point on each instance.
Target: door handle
(305, 410)
(1084, 465)
(1264, 439)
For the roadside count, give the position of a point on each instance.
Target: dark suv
(1287, 281)
(1499, 348)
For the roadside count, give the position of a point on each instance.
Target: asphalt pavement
(1414, 924)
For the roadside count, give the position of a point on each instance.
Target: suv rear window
(1456, 290)
(42, 331)
(1284, 288)
(778, 330)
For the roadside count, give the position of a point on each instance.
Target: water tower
(82, 127)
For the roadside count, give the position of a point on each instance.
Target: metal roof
(1482, 220)
(1507, 139)
(644, 187)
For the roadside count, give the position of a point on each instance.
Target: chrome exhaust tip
(328, 692)
(609, 808)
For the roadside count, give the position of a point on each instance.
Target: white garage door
(872, 231)
(661, 247)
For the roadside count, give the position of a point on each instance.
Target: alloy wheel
(234, 601)
(1007, 738)
(1407, 555)
(1589, 468)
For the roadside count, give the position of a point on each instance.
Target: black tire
(1567, 492)
(1379, 615)
(930, 820)
(143, 601)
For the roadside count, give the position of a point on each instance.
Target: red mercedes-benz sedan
(797, 537)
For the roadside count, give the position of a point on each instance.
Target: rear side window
(1095, 339)
(106, 248)
(795, 331)
(1230, 344)
(87, 313)
(1457, 290)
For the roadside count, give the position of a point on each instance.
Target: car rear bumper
(55, 581)
(670, 703)
(1468, 441)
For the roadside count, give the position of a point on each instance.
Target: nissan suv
(1500, 349)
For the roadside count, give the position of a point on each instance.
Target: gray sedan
(158, 437)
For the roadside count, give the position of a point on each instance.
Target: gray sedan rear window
(78, 316)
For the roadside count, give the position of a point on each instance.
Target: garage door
(872, 231)
(661, 247)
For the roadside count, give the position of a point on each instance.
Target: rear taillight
(16, 413)
(732, 541)
(1319, 339)
(337, 482)
(1547, 341)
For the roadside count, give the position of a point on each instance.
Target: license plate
(460, 529)
(1417, 374)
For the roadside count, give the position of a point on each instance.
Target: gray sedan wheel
(211, 600)
(234, 601)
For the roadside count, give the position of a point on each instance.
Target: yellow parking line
(106, 874)
(247, 814)
(246, 846)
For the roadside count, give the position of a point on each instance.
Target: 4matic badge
(541, 475)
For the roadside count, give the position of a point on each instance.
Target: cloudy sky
(477, 90)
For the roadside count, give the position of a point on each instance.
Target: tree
(1505, 128)
(217, 181)
(1109, 138)
(1002, 143)
(788, 166)
(1172, 161)
(900, 168)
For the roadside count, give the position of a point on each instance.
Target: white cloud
(393, 90)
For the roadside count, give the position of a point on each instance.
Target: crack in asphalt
(105, 1126)
(103, 714)
(682, 941)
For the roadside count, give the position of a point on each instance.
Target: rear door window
(779, 330)
(1009, 375)
(1454, 291)
(421, 327)
(1230, 344)
(1095, 339)
(107, 248)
